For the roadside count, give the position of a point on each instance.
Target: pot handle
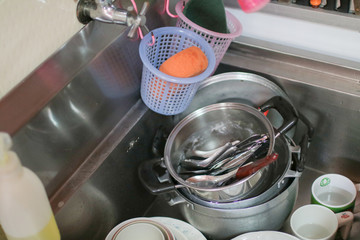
(304, 143)
(286, 110)
(155, 177)
(299, 152)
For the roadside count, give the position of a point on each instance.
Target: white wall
(30, 31)
(315, 33)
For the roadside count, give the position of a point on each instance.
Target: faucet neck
(105, 11)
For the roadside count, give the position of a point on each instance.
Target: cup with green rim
(334, 191)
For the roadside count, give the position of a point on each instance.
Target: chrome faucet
(105, 11)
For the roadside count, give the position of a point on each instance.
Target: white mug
(316, 222)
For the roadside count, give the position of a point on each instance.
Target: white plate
(181, 229)
(265, 235)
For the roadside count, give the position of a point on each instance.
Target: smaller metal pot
(216, 124)
(157, 180)
(276, 177)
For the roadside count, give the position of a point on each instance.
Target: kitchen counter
(160, 207)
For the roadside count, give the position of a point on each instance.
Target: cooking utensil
(205, 154)
(291, 163)
(155, 177)
(222, 224)
(240, 144)
(195, 163)
(217, 124)
(210, 180)
(240, 87)
(226, 222)
(227, 151)
(275, 178)
(253, 167)
(230, 163)
(239, 159)
(213, 181)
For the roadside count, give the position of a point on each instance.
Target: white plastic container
(25, 212)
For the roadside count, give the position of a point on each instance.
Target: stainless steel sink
(113, 192)
(86, 134)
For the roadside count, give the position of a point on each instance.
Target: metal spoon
(225, 165)
(227, 150)
(194, 163)
(237, 159)
(205, 154)
(209, 181)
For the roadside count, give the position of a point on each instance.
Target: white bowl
(140, 228)
(265, 235)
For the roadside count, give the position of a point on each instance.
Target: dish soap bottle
(25, 212)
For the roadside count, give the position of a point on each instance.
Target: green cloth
(209, 14)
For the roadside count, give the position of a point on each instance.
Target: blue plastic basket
(162, 93)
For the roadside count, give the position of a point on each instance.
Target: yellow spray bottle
(25, 212)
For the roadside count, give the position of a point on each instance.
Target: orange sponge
(186, 63)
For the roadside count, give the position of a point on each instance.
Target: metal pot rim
(200, 112)
(272, 189)
(252, 210)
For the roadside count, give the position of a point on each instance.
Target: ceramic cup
(140, 228)
(335, 192)
(316, 222)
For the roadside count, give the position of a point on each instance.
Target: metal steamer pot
(242, 87)
(213, 126)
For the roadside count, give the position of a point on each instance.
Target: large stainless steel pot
(224, 223)
(217, 124)
(221, 224)
(241, 87)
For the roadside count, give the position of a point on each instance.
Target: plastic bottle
(25, 212)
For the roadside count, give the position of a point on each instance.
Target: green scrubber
(209, 14)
